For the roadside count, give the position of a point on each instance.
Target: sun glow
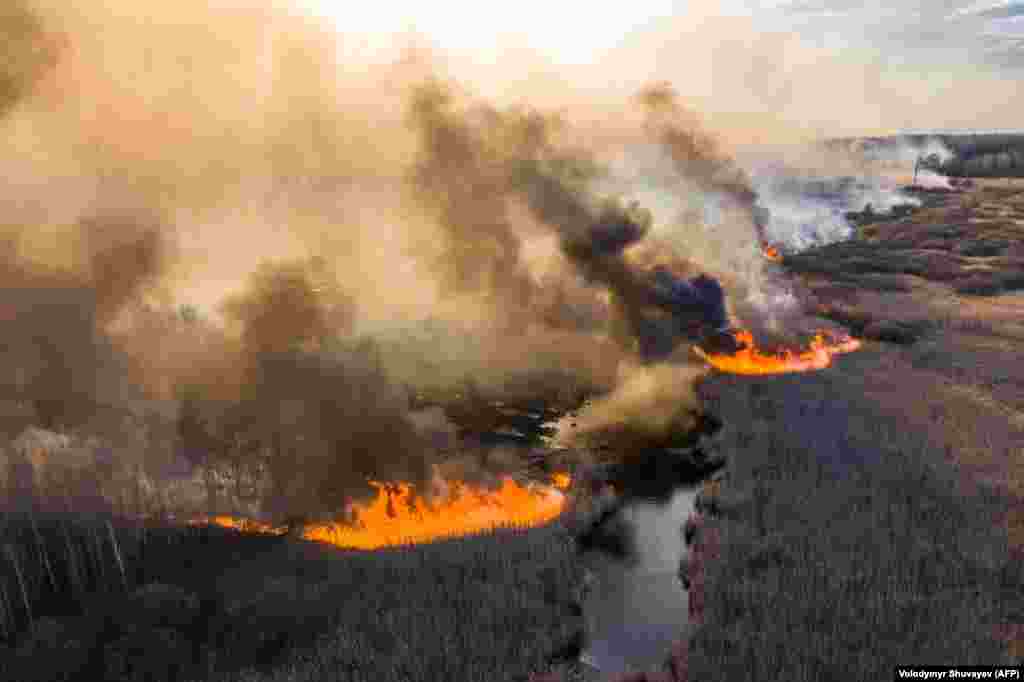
(484, 30)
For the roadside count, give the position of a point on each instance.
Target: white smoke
(929, 179)
(805, 195)
(901, 155)
(698, 224)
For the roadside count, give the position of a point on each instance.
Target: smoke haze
(342, 223)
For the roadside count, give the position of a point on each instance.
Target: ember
(751, 360)
(399, 516)
(242, 524)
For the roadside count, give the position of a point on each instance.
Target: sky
(484, 29)
(574, 32)
(989, 32)
(823, 67)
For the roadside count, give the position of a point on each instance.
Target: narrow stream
(636, 607)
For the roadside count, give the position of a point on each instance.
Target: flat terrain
(951, 332)
(873, 511)
(214, 604)
(870, 516)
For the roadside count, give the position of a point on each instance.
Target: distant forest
(979, 155)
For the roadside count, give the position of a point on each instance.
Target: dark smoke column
(661, 310)
(473, 160)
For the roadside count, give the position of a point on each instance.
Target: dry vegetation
(968, 242)
(207, 603)
(873, 511)
(859, 550)
(868, 518)
(848, 546)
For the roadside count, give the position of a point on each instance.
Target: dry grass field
(872, 514)
(875, 510)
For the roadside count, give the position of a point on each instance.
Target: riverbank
(873, 511)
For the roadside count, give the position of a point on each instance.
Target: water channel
(636, 607)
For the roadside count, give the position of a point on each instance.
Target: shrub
(893, 331)
(881, 282)
(980, 248)
(979, 285)
(1012, 281)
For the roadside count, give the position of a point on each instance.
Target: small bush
(936, 244)
(881, 282)
(147, 655)
(979, 285)
(852, 318)
(893, 331)
(981, 248)
(1012, 281)
(161, 605)
(55, 650)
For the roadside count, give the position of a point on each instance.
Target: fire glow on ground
(397, 515)
(750, 359)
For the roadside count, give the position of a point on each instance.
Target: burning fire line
(750, 360)
(399, 516)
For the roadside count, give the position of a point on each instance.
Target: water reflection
(637, 607)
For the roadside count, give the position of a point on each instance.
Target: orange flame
(771, 253)
(399, 516)
(242, 524)
(750, 360)
(561, 480)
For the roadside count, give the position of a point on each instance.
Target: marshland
(330, 352)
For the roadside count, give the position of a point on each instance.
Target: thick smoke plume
(320, 415)
(28, 52)
(647, 406)
(695, 153)
(337, 229)
(62, 361)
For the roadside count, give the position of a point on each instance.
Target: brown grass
(931, 509)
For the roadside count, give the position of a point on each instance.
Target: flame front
(561, 480)
(242, 524)
(399, 516)
(751, 360)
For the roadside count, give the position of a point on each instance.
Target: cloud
(911, 31)
(791, 72)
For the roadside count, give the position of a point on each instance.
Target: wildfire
(561, 480)
(242, 524)
(771, 253)
(750, 360)
(397, 515)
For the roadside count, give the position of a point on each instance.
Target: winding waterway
(636, 607)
